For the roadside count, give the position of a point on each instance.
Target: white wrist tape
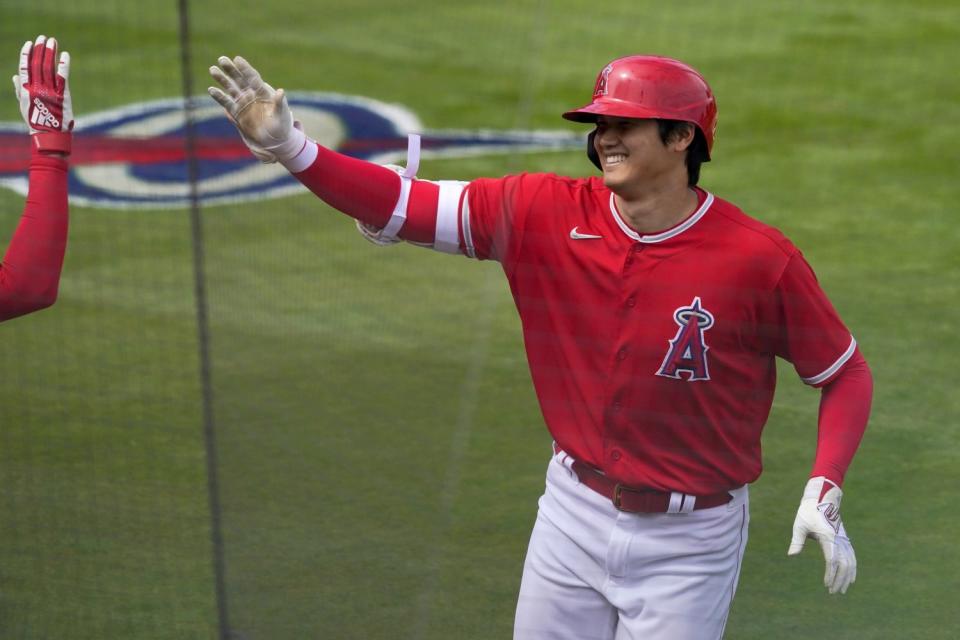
(292, 152)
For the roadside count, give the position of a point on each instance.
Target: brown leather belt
(643, 500)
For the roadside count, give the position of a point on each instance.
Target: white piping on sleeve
(832, 369)
(465, 225)
(447, 235)
(399, 216)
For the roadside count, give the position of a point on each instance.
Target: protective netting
(241, 420)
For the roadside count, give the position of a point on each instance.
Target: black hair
(697, 152)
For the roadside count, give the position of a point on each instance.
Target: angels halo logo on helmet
(136, 156)
(602, 80)
(652, 87)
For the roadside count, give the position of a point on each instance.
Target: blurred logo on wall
(138, 156)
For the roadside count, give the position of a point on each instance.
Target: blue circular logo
(137, 156)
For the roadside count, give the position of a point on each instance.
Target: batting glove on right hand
(259, 111)
(819, 517)
(44, 94)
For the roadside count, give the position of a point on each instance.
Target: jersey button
(631, 301)
(615, 407)
(615, 455)
(622, 354)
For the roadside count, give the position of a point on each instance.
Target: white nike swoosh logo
(576, 235)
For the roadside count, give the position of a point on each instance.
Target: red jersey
(653, 356)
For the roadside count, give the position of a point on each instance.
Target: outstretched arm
(370, 193)
(30, 272)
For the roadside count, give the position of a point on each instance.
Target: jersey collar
(663, 235)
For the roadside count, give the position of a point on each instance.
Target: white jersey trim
(832, 369)
(447, 235)
(666, 235)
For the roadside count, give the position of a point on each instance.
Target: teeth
(616, 159)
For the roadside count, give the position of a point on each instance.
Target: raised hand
(43, 91)
(260, 112)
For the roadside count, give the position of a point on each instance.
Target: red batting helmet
(652, 87)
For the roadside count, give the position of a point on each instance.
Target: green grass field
(380, 450)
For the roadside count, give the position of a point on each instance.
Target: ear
(682, 137)
(592, 150)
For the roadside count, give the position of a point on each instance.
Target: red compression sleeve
(844, 410)
(30, 272)
(369, 193)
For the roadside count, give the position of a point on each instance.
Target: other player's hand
(259, 111)
(819, 517)
(43, 91)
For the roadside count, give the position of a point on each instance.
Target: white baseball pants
(595, 573)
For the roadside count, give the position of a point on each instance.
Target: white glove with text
(819, 517)
(43, 91)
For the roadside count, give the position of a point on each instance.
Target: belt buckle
(643, 493)
(617, 490)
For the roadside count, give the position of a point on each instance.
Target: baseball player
(652, 313)
(30, 271)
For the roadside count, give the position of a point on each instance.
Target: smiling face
(635, 159)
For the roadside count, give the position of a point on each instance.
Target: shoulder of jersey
(593, 183)
(534, 185)
(591, 187)
(750, 229)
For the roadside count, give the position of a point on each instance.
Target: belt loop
(566, 461)
(689, 503)
(563, 457)
(676, 502)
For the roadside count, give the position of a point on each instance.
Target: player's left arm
(844, 410)
(826, 356)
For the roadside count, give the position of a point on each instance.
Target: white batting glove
(819, 517)
(259, 111)
(44, 94)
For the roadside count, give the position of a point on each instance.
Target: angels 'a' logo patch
(688, 349)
